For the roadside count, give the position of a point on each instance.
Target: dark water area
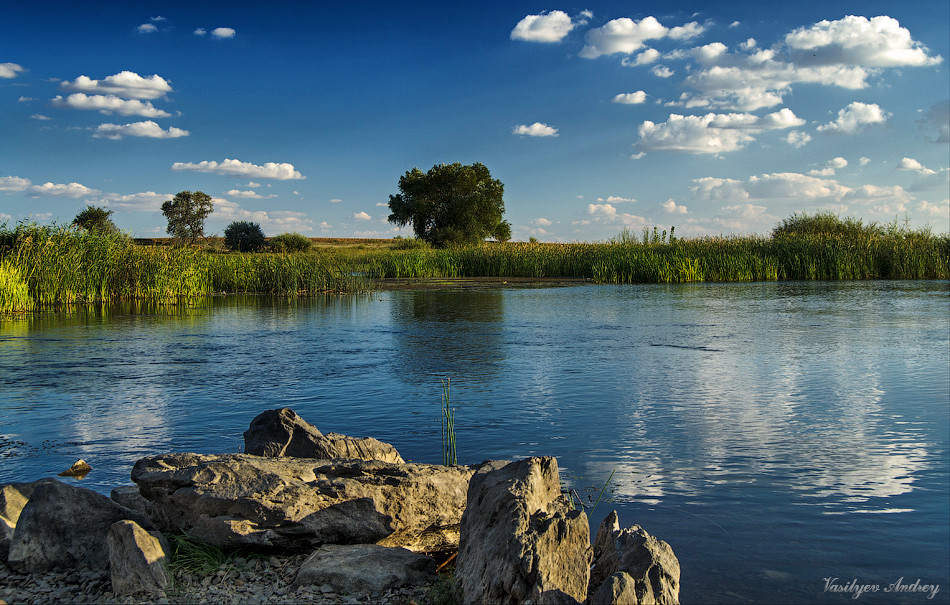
(784, 438)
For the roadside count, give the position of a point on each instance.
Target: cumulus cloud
(146, 28)
(551, 26)
(650, 55)
(125, 84)
(797, 138)
(631, 98)
(146, 201)
(270, 170)
(108, 104)
(671, 207)
(854, 117)
(937, 210)
(10, 70)
(39, 116)
(535, 130)
(25, 99)
(792, 186)
(60, 190)
(876, 42)
(541, 222)
(13, 183)
(362, 216)
(200, 31)
(222, 32)
(711, 133)
(842, 53)
(627, 36)
(607, 213)
(271, 221)
(148, 129)
(909, 164)
(662, 71)
(616, 199)
(830, 167)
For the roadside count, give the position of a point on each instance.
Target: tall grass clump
(290, 242)
(65, 265)
(283, 274)
(14, 293)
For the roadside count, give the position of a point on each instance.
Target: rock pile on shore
(323, 518)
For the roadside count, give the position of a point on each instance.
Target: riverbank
(52, 266)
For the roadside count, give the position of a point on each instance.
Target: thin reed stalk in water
(449, 454)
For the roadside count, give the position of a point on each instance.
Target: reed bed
(50, 266)
(910, 255)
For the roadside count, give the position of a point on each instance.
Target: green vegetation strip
(42, 267)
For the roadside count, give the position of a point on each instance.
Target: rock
(283, 433)
(137, 559)
(79, 469)
(129, 497)
(63, 526)
(632, 562)
(300, 504)
(13, 497)
(365, 568)
(520, 539)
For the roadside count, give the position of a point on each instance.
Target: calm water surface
(775, 434)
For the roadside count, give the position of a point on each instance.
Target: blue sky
(716, 117)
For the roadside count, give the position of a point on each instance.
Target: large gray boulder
(283, 433)
(13, 497)
(520, 539)
(300, 504)
(65, 527)
(137, 559)
(365, 568)
(632, 567)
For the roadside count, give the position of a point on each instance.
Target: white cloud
(627, 36)
(270, 170)
(39, 116)
(541, 222)
(797, 138)
(222, 33)
(606, 213)
(148, 129)
(4, 218)
(200, 31)
(616, 199)
(108, 104)
(744, 217)
(10, 70)
(864, 161)
(938, 210)
(158, 19)
(335, 200)
(535, 130)
(631, 98)
(650, 55)
(249, 195)
(662, 71)
(59, 190)
(25, 99)
(909, 164)
(146, 201)
(551, 26)
(831, 53)
(876, 42)
(146, 28)
(711, 133)
(382, 205)
(671, 207)
(830, 167)
(325, 225)
(362, 216)
(853, 117)
(13, 183)
(748, 44)
(272, 221)
(125, 84)
(793, 186)
(927, 180)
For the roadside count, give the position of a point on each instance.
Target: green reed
(449, 454)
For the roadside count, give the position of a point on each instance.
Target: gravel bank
(265, 580)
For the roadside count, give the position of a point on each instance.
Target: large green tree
(451, 204)
(96, 220)
(186, 214)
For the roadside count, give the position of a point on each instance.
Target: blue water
(782, 437)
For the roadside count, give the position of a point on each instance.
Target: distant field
(318, 242)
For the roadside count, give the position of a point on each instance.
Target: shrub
(290, 242)
(244, 236)
(824, 223)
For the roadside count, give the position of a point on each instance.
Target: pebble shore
(265, 580)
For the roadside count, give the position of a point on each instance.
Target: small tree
(96, 220)
(244, 237)
(451, 204)
(186, 214)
